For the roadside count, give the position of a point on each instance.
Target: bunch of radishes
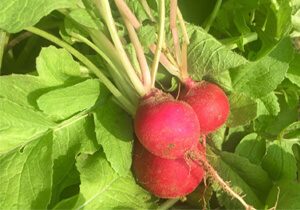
(168, 130)
(167, 153)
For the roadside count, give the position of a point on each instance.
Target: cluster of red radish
(168, 130)
(166, 155)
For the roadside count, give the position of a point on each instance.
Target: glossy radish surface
(166, 178)
(209, 102)
(166, 127)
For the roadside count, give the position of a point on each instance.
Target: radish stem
(139, 51)
(247, 38)
(123, 100)
(174, 30)
(126, 12)
(166, 63)
(147, 9)
(118, 78)
(160, 42)
(212, 16)
(183, 27)
(3, 42)
(140, 55)
(168, 204)
(104, 7)
(184, 65)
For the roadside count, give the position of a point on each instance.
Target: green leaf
(18, 14)
(271, 126)
(222, 79)
(70, 137)
(268, 105)
(82, 17)
(279, 161)
(289, 194)
(242, 109)
(293, 73)
(63, 102)
(261, 77)
(251, 147)
(102, 188)
(245, 178)
(147, 35)
(20, 89)
(291, 131)
(137, 8)
(26, 175)
(270, 20)
(296, 151)
(69, 203)
(206, 55)
(70, 181)
(56, 66)
(19, 124)
(218, 137)
(115, 133)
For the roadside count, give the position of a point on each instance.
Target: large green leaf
(16, 15)
(208, 56)
(102, 188)
(19, 124)
(242, 109)
(251, 147)
(268, 105)
(20, 89)
(245, 178)
(288, 193)
(279, 161)
(115, 134)
(26, 175)
(56, 66)
(70, 138)
(293, 73)
(261, 77)
(63, 102)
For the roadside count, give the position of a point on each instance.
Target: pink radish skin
(209, 102)
(166, 178)
(166, 127)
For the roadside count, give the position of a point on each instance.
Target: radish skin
(209, 102)
(166, 127)
(166, 178)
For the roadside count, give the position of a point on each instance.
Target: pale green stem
(147, 9)
(161, 36)
(129, 23)
(111, 87)
(174, 30)
(168, 204)
(103, 43)
(127, 13)
(231, 42)
(213, 15)
(183, 27)
(3, 42)
(104, 7)
(140, 55)
(170, 67)
(118, 78)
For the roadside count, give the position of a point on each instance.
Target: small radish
(209, 102)
(166, 178)
(166, 127)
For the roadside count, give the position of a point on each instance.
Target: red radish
(166, 178)
(209, 102)
(166, 127)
